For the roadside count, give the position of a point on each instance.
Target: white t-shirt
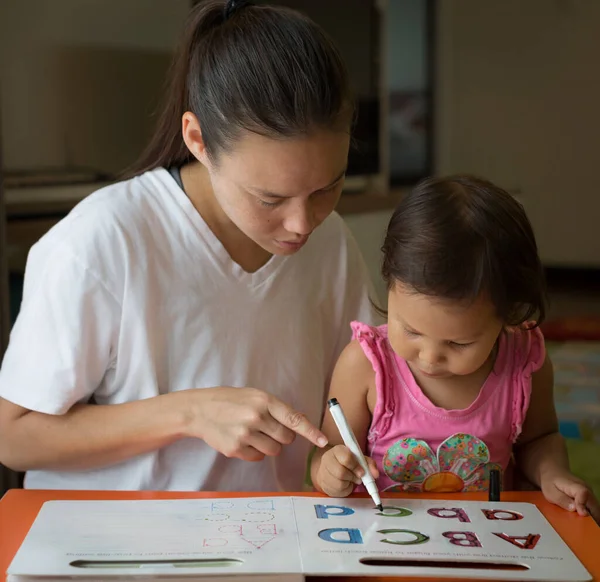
(132, 295)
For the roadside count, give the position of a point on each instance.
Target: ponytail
(242, 67)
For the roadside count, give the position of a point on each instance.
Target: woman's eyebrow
(269, 194)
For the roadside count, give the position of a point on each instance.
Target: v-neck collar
(214, 244)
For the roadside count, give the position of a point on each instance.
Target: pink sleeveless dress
(419, 447)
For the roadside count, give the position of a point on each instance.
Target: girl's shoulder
(372, 340)
(365, 332)
(526, 346)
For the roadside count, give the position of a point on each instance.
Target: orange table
(18, 509)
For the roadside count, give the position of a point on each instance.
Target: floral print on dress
(460, 464)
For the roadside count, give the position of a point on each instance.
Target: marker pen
(350, 441)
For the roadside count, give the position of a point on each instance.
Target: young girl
(180, 323)
(458, 381)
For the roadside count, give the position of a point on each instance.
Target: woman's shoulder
(127, 202)
(122, 205)
(333, 229)
(99, 230)
(332, 245)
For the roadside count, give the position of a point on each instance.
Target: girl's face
(441, 338)
(278, 191)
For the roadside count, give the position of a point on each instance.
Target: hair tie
(233, 6)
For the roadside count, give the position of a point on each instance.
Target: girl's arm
(352, 379)
(540, 449)
(542, 455)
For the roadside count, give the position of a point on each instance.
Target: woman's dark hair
(460, 236)
(266, 69)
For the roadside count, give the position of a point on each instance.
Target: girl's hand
(570, 493)
(339, 471)
(244, 422)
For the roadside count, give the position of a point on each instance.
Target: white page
(259, 532)
(281, 536)
(209, 578)
(549, 559)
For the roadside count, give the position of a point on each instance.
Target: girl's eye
(460, 346)
(411, 333)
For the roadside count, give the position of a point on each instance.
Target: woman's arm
(88, 435)
(238, 422)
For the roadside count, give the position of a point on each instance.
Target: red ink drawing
(258, 544)
(527, 542)
(214, 542)
(465, 539)
(449, 513)
(501, 514)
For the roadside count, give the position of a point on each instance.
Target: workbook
(286, 538)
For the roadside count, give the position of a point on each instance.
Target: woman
(180, 323)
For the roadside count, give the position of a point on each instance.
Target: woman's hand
(246, 423)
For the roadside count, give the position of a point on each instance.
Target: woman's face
(277, 191)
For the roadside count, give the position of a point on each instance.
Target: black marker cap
(332, 402)
(494, 485)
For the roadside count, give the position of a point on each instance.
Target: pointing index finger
(297, 422)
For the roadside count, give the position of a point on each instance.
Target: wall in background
(517, 88)
(58, 62)
(518, 94)
(369, 230)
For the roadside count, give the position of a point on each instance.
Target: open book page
(161, 537)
